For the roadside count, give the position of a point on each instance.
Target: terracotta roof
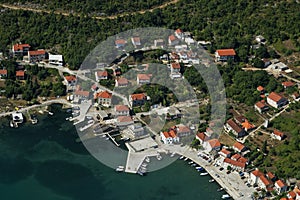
(120, 41)
(260, 104)
(122, 81)
(175, 65)
(70, 78)
(102, 73)
(144, 76)
(140, 96)
(239, 146)
(292, 194)
(178, 31)
(288, 84)
(183, 129)
(171, 134)
(260, 88)
(226, 52)
(235, 163)
(20, 73)
(225, 151)
(236, 156)
(121, 108)
(19, 47)
(172, 38)
(240, 119)
(214, 143)
(94, 86)
(243, 159)
(3, 71)
(265, 181)
(296, 95)
(38, 52)
(82, 93)
(104, 95)
(275, 97)
(257, 173)
(270, 175)
(247, 125)
(280, 183)
(278, 133)
(234, 125)
(136, 39)
(124, 119)
(201, 136)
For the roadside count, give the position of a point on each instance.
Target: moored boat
(181, 157)
(204, 174)
(225, 196)
(211, 180)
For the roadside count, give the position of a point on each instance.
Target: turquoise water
(43, 162)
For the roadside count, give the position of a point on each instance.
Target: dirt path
(14, 7)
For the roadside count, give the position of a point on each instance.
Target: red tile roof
(120, 41)
(247, 125)
(280, 183)
(38, 52)
(172, 38)
(121, 108)
(124, 119)
(226, 52)
(214, 143)
(144, 76)
(70, 78)
(260, 104)
(102, 73)
(136, 39)
(275, 97)
(122, 81)
(225, 151)
(288, 84)
(292, 194)
(183, 129)
(201, 136)
(270, 175)
(20, 47)
(82, 93)
(236, 156)
(238, 146)
(104, 95)
(20, 73)
(257, 173)
(265, 181)
(175, 65)
(243, 159)
(234, 125)
(235, 163)
(260, 88)
(140, 96)
(278, 133)
(3, 71)
(169, 134)
(179, 31)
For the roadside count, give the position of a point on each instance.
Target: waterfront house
(287, 84)
(3, 73)
(120, 43)
(101, 75)
(212, 144)
(20, 75)
(122, 110)
(136, 41)
(20, 49)
(121, 82)
(17, 117)
(179, 34)
(136, 130)
(173, 40)
(56, 60)
(70, 80)
(239, 147)
(81, 95)
(143, 79)
(224, 153)
(232, 126)
(124, 121)
(104, 98)
(137, 99)
(280, 186)
(275, 100)
(224, 55)
(235, 165)
(169, 137)
(201, 137)
(36, 56)
(276, 134)
(261, 107)
(254, 176)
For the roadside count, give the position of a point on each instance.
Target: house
(117, 72)
(159, 43)
(182, 130)
(212, 144)
(3, 73)
(232, 126)
(287, 84)
(101, 75)
(20, 75)
(20, 49)
(263, 182)
(137, 99)
(261, 107)
(70, 80)
(179, 34)
(136, 41)
(104, 98)
(277, 65)
(120, 43)
(277, 134)
(296, 96)
(82, 95)
(122, 110)
(275, 100)
(224, 55)
(143, 79)
(280, 186)
(235, 165)
(240, 119)
(291, 195)
(261, 89)
(136, 130)
(94, 87)
(124, 121)
(225, 153)
(121, 82)
(201, 137)
(56, 60)
(173, 40)
(271, 176)
(239, 147)
(247, 126)
(254, 176)
(236, 157)
(36, 56)
(175, 67)
(169, 137)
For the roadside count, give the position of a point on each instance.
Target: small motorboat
(204, 174)
(211, 180)
(181, 157)
(220, 189)
(225, 196)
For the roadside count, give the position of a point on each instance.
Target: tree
(258, 63)
(264, 148)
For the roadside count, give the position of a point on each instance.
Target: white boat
(147, 159)
(120, 168)
(204, 174)
(186, 159)
(158, 157)
(225, 196)
(181, 157)
(191, 162)
(172, 155)
(211, 180)
(50, 113)
(199, 167)
(194, 165)
(68, 118)
(220, 189)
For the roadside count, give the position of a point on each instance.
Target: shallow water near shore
(43, 161)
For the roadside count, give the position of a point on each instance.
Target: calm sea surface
(43, 162)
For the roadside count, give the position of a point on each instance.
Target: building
(117, 72)
(136, 41)
(169, 137)
(224, 153)
(182, 130)
(20, 75)
(287, 84)
(201, 137)
(81, 95)
(120, 43)
(247, 126)
(121, 82)
(20, 49)
(56, 60)
(136, 130)
(104, 98)
(277, 134)
(70, 80)
(264, 183)
(235, 165)
(101, 75)
(212, 144)
(254, 176)
(36, 56)
(261, 89)
(137, 99)
(122, 110)
(224, 55)
(172, 40)
(232, 126)
(143, 79)
(277, 101)
(280, 187)
(175, 67)
(3, 73)
(179, 34)
(296, 96)
(271, 176)
(159, 43)
(261, 107)
(239, 147)
(124, 121)
(17, 117)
